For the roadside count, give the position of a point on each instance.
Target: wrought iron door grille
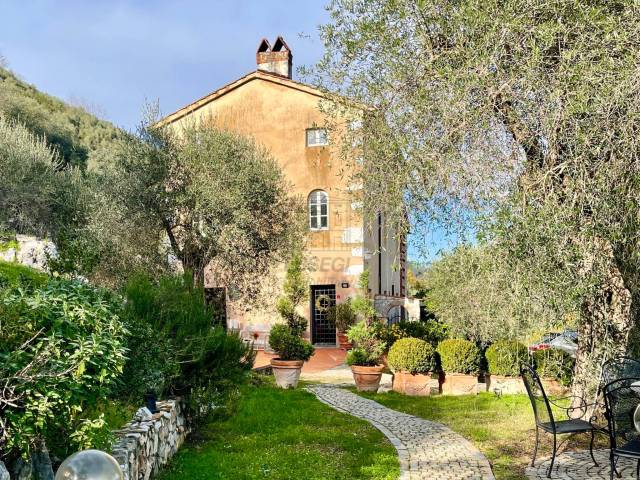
(323, 331)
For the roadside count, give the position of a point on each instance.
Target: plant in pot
(344, 317)
(412, 361)
(364, 358)
(555, 368)
(292, 351)
(504, 359)
(286, 339)
(460, 360)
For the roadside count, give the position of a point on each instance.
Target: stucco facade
(277, 112)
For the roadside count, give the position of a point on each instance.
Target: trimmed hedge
(412, 355)
(505, 358)
(554, 364)
(459, 356)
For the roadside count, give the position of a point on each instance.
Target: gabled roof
(257, 75)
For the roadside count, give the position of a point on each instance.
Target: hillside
(81, 139)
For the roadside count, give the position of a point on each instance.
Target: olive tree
(218, 202)
(516, 119)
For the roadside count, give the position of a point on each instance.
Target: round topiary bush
(412, 355)
(505, 358)
(554, 364)
(459, 356)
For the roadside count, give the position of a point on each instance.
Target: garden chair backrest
(621, 398)
(620, 367)
(539, 401)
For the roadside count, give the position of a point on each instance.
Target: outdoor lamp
(90, 465)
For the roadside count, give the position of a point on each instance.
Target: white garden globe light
(90, 465)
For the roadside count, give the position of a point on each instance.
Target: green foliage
(14, 273)
(175, 348)
(344, 316)
(412, 355)
(459, 356)
(362, 304)
(500, 128)
(295, 292)
(288, 344)
(431, 331)
(79, 138)
(61, 350)
(554, 364)
(368, 347)
(506, 358)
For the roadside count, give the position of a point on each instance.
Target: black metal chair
(620, 367)
(621, 398)
(545, 420)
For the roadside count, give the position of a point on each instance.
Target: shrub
(344, 315)
(554, 364)
(431, 331)
(459, 356)
(175, 348)
(505, 358)
(61, 349)
(367, 344)
(288, 345)
(412, 355)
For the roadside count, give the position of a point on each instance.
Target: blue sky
(116, 55)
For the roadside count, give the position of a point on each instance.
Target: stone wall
(147, 443)
(29, 251)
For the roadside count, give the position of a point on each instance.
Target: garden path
(427, 450)
(578, 466)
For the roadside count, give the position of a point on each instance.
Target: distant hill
(82, 139)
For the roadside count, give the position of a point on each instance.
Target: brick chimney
(277, 59)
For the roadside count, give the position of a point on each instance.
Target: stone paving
(579, 466)
(427, 450)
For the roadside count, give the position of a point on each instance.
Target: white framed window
(318, 210)
(317, 137)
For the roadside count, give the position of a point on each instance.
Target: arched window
(318, 210)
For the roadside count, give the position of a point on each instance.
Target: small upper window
(318, 210)
(317, 137)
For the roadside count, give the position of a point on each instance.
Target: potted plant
(504, 359)
(412, 361)
(364, 358)
(555, 368)
(292, 352)
(286, 339)
(460, 362)
(345, 317)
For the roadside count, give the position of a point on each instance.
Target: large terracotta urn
(460, 384)
(343, 341)
(367, 378)
(287, 372)
(414, 384)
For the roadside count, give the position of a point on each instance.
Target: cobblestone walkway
(427, 450)
(578, 466)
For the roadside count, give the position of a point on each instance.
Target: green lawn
(501, 427)
(278, 434)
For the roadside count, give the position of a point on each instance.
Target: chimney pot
(277, 59)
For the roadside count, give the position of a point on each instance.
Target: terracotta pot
(343, 341)
(554, 387)
(367, 378)
(287, 372)
(460, 384)
(501, 384)
(414, 384)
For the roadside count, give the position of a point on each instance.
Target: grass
(13, 271)
(501, 427)
(285, 434)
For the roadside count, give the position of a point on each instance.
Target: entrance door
(323, 329)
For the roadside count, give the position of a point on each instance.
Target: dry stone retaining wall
(147, 443)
